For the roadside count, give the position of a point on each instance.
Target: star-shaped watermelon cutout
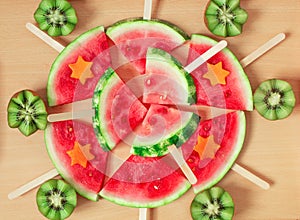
(81, 70)
(206, 147)
(80, 154)
(216, 74)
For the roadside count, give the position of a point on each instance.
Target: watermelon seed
(228, 93)
(163, 97)
(148, 82)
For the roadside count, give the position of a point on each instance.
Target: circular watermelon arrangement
(133, 74)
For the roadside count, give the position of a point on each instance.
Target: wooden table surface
(271, 149)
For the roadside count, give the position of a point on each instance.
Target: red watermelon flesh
(235, 94)
(117, 110)
(145, 182)
(139, 46)
(92, 47)
(134, 36)
(60, 138)
(228, 132)
(127, 112)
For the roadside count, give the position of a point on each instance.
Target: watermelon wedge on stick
(221, 78)
(88, 55)
(117, 110)
(213, 148)
(134, 36)
(145, 182)
(77, 156)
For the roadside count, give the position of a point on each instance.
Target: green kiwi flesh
(212, 204)
(274, 99)
(225, 18)
(57, 17)
(26, 112)
(56, 199)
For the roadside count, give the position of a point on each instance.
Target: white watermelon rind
(61, 168)
(182, 189)
(51, 94)
(106, 82)
(133, 24)
(237, 149)
(247, 90)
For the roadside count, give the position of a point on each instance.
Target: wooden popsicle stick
(182, 164)
(32, 184)
(147, 9)
(206, 112)
(250, 176)
(142, 213)
(205, 56)
(44, 37)
(262, 49)
(70, 115)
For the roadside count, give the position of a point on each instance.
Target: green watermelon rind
(62, 170)
(178, 138)
(102, 134)
(163, 56)
(184, 187)
(62, 55)
(244, 78)
(174, 31)
(237, 149)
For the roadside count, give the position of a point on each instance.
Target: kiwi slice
(212, 204)
(27, 112)
(56, 199)
(274, 99)
(57, 17)
(225, 17)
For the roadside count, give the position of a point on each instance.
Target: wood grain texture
(271, 149)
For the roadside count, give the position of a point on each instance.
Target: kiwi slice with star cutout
(56, 199)
(225, 18)
(27, 112)
(274, 99)
(213, 203)
(57, 17)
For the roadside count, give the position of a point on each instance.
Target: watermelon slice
(134, 36)
(162, 127)
(91, 46)
(233, 90)
(227, 133)
(61, 139)
(145, 182)
(166, 81)
(117, 110)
